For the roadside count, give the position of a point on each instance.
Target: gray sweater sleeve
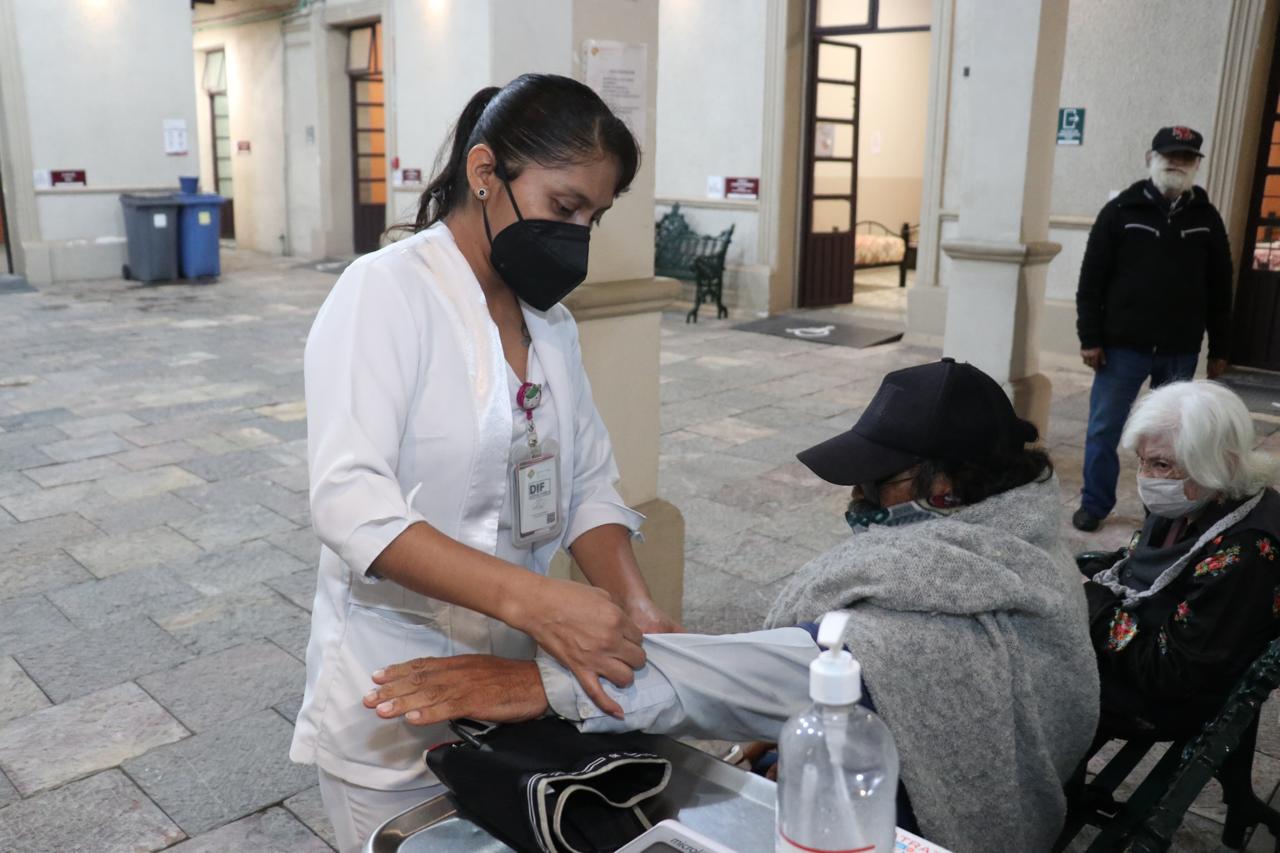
(729, 687)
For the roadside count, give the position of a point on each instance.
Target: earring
(482, 193)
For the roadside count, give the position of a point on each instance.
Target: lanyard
(528, 398)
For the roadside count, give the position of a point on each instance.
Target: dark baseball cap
(942, 411)
(1177, 138)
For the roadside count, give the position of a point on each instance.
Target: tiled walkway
(157, 565)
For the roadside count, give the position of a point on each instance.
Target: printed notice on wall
(175, 137)
(618, 72)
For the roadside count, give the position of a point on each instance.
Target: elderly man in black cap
(1156, 275)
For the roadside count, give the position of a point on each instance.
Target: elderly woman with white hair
(1182, 611)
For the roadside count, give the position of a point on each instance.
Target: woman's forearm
(579, 626)
(607, 560)
(428, 562)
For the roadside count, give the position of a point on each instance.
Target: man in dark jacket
(1156, 275)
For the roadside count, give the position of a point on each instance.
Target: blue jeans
(1115, 386)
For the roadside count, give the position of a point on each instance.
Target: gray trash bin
(151, 226)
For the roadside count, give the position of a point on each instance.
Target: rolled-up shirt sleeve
(594, 500)
(361, 367)
(735, 686)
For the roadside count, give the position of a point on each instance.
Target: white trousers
(356, 811)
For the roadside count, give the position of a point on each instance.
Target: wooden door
(215, 85)
(368, 137)
(220, 121)
(1256, 338)
(831, 174)
(6, 252)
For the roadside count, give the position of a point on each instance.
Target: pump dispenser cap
(835, 678)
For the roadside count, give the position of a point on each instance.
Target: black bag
(544, 787)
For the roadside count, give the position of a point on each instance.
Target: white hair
(1212, 436)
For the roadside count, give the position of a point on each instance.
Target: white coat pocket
(356, 735)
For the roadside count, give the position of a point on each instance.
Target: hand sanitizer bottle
(837, 765)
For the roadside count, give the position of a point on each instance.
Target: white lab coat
(409, 420)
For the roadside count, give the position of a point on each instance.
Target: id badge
(535, 489)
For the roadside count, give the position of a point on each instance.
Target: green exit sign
(1071, 126)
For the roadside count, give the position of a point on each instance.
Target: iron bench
(681, 253)
(1224, 748)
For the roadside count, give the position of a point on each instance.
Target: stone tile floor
(157, 565)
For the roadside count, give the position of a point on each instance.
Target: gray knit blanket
(972, 634)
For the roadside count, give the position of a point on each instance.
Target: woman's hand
(432, 690)
(582, 628)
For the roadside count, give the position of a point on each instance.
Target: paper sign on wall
(175, 137)
(715, 186)
(618, 72)
(742, 188)
(68, 178)
(824, 139)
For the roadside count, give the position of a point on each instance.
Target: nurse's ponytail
(536, 118)
(441, 195)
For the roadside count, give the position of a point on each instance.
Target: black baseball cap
(1177, 138)
(944, 411)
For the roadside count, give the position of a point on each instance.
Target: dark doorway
(6, 251)
(1257, 308)
(835, 93)
(215, 84)
(368, 136)
(831, 178)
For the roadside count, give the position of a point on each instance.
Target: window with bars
(368, 105)
(215, 84)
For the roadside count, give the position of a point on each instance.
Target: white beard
(1172, 181)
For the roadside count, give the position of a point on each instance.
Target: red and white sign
(742, 188)
(243, 146)
(411, 176)
(67, 177)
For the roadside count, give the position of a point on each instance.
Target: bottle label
(786, 845)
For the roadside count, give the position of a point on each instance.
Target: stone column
(1000, 251)
(619, 308)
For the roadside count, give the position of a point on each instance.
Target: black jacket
(1167, 665)
(1156, 275)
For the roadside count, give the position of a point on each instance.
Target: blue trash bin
(198, 230)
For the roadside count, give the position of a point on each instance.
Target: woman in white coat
(454, 446)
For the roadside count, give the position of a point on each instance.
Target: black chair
(1224, 749)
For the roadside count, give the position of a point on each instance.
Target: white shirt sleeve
(594, 500)
(361, 367)
(729, 687)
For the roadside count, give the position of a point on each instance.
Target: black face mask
(540, 259)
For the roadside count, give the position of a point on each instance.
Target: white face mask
(1168, 498)
(1171, 179)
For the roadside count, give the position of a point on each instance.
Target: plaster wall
(1134, 67)
(444, 55)
(710, 117)
(98, 81)
(255, 54)
(622, 247)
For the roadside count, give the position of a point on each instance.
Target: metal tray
(711, 797)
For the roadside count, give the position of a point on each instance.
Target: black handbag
(544, 787)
